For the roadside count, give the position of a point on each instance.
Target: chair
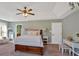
(63, 47)
(75, 48)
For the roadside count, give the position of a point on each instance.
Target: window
(3, 30)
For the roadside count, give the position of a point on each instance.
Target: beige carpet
(49, 50)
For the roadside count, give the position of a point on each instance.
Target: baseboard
(53, 44)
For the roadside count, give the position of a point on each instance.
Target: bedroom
(20, 26)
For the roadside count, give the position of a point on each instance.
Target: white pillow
(29, 33)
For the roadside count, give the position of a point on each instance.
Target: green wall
(41, 24)
(71, 24)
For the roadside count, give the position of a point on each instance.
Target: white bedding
(29, 40)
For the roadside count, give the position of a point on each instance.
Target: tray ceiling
(42, 10)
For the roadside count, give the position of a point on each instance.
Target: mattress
(29, 41)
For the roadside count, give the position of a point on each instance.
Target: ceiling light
(25, 12)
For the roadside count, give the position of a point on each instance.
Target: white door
(56, 33)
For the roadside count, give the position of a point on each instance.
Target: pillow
(35, 33)
(38, 33)
(29, 33)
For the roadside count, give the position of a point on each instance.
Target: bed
(30, 43)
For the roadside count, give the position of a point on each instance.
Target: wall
(71, 24)
(34, 24)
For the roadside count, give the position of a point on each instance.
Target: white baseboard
(52, 43)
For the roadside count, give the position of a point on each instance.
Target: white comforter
(29, 40)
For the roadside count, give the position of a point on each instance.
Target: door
(56, 33)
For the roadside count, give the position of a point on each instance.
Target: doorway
(56, 35)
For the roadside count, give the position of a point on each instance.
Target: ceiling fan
(25, 11)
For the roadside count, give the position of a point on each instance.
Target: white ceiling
(42, 10)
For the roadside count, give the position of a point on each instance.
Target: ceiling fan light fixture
(25, 14)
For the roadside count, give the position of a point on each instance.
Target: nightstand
(45, 40)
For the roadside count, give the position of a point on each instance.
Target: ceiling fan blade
(19, 10)
(31, 13)
(29, 10)
(18, 13)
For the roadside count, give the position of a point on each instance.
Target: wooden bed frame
(32, 49)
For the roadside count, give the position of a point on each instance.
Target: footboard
(32, 49)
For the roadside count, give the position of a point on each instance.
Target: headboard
(35, 31)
